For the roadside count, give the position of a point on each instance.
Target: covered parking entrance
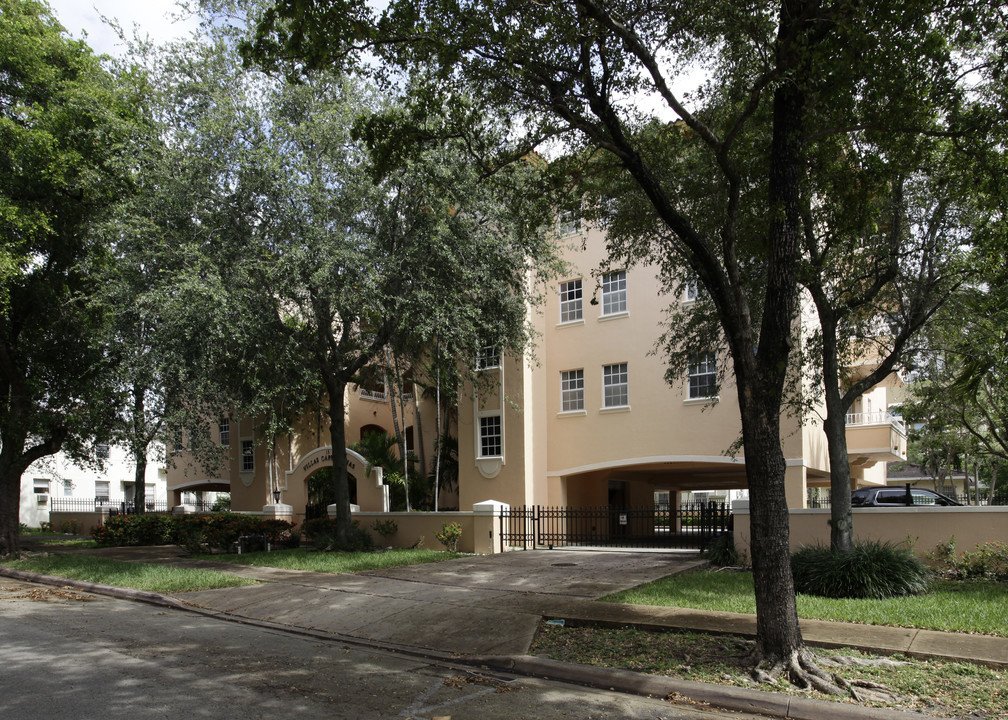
(690, 526)
(671, 502)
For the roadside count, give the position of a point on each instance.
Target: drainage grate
(564, 564)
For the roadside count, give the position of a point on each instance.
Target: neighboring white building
(56, 480)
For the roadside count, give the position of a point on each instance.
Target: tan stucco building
(587, 418)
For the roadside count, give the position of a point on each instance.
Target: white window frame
(489, 423)
(568, 224)
(67, 487)
(692, 290)
(224, 433)
(247, 452)
(571, 301)
(40, 486)
(699, 370)
(614, 293)
(488, 357)
(572, 398)
(615, 386)
(102, 485)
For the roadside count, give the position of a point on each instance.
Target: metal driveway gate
(690, 526)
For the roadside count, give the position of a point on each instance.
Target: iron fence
(690, 526)
(116, 506)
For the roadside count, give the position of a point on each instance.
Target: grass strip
(951, 605)
(139, 576)
(941, 688)
(335, 562)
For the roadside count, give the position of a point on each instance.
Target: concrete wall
(920, 528)
(480, 528)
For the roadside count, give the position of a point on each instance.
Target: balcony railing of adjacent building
(879, 417)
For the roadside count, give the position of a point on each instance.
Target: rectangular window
(568, 224)
(570, 300)
(225, 432)
(614, 299)
(101, 490)
(490, 436)
(102, 450)
(703, 381)
(247, 456)
(572, 390)
(67, 488)
(615, 385)
(692, 290)
(488, 357)
(41, 486)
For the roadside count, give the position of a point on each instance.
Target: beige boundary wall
(86, 521)
(480, 528)
(921, 528)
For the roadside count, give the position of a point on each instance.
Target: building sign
(322, 459)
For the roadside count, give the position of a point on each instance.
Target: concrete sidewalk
(488, 608)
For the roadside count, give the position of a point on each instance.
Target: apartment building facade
(589, 419)
(586, 418)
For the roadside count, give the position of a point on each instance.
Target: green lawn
(335, 562)
(960, 606)
(140, 576)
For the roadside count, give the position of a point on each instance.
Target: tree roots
(803, 670)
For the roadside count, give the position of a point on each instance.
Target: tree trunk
(761, 370)
(10, 508)
(139, 478)
(341, 485)
(139, 453)
(835, 427)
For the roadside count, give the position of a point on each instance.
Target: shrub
(869, 570)
(134, 530)
(722, 552)
(222, 503)
(69, 527)
(449, 536)
(385, 528)
(194, 533)
(219, 532)
(321, 532)
(988, 562)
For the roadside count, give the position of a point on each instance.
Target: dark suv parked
(891, 496)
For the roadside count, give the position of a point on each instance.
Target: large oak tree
(602, 77)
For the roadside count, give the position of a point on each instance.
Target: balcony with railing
(875, 436)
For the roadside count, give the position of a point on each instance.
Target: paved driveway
(487, 605)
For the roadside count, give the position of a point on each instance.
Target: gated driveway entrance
(690, 526)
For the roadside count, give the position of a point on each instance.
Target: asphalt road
(66, 654)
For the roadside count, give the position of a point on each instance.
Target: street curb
(617, 680)
(122, 593)
(719, 696)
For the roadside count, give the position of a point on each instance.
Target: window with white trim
(703, 381)
(101, 490)
(102, 451)
(614, 293)
(692, 290)
(488, 357)
(67, 488)
(490, 436)
(615, 386)
(568, 224)
(570, 301)
(224, 429)
(41, 486)
(572, 390)
(247, 456)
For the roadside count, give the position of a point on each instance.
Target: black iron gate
(690, 526)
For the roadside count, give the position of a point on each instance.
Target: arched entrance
(368, 492)
(321, 493)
